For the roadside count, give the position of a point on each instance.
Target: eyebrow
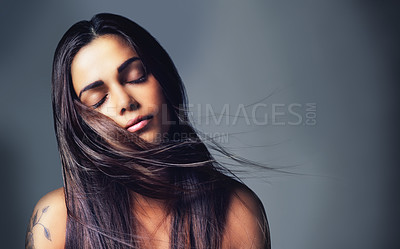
(126, 63)
(91, 86)
(100, 82)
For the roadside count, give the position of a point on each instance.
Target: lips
(138, 123)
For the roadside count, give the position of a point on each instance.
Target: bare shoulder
(246, 224)
(47, 226)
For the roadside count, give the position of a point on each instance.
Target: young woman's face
(108, 75)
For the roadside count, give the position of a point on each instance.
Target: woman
(136, 174)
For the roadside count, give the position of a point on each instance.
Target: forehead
(102, 55)
(102, 47)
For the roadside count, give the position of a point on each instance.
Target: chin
(151, 137)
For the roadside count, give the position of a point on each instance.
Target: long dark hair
(102, 162)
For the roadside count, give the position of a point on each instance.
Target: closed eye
(140, 80)
(134, 72)
(100, 102)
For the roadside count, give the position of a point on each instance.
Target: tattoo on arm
(34, 221)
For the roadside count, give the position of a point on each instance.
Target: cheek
(156, 95)
(109, 111)
(151, 97)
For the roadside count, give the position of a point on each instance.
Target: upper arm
(47, 226)
(246, 224)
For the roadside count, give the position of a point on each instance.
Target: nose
(124, 101)
(131, 107)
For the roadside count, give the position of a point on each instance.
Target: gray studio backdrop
(298, 84)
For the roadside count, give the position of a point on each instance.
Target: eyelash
(100, 102)
(140, 80)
